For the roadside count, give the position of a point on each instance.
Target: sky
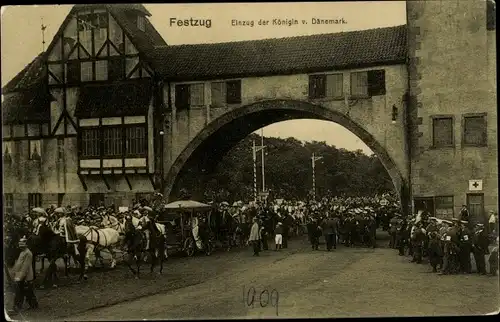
(21, 39)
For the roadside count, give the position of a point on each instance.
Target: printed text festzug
(191, 22)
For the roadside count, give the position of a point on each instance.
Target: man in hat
(465, 235)
(254, 237)
(393, 228)
(493, 222)
(480, 245)
(148, 225)
(464, 213)
(23, 277)
(312, 231)
(278, 239)
(434, 251)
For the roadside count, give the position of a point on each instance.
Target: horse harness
(98, 236)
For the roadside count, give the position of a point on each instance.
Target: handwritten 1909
(251, 298)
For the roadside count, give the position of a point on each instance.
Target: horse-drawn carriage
(187, 226)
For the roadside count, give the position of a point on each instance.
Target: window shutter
(233, 93)
(334, 85)
(376, 82)
(474, 130)
(218, 94)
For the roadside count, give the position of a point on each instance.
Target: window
(376, 82)
(475, 130)
(218, 94)
(101, 70)
(100, 20)
(8, 203)
(359, 84)
(90, 143)
(34, 200)
(369, 83)
(233, 94)
(197, 95)
(317, 86)
(141, 23)
(60, 149)
(35, 150)
(113, 143)
(335, 85)
(182, 97)
(136, 143)
(116, 69)
(73, 72)
(86, 71)
(442, 131)
(444, 207)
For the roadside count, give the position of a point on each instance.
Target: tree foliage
(288, 171)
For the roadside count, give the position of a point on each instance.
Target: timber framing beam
(128, 182)
(105, 182)
(80, 176)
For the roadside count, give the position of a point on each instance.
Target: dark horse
(54, 247)
(136, 247)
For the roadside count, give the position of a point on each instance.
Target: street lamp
(313, 161)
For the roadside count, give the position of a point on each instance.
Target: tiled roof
(23, 107)
(30, 77)
(282, 55)
(123, 99)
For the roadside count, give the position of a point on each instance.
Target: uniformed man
(393, 228)
(23, 277)
(403, 235)
(480, 248)
(493, 260)
(435, 252)
(465, 235)
(451, 249)
(419, 235)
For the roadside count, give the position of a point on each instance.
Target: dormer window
(141, 23)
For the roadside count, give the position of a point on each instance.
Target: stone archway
(228, 129)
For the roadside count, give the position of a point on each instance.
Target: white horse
(105, 238)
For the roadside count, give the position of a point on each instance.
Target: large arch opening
(206, 150)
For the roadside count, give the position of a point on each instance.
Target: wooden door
(475, 205)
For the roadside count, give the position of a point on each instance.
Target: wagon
(178, 217)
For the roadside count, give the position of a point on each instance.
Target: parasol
(60, 210)
(187, 204)
(38, 210)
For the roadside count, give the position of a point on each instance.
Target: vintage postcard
(249, 160)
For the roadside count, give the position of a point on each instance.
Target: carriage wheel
(189, 246)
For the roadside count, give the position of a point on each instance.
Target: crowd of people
(351, 221)
(447, 244)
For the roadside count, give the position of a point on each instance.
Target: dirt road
(302, 283)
